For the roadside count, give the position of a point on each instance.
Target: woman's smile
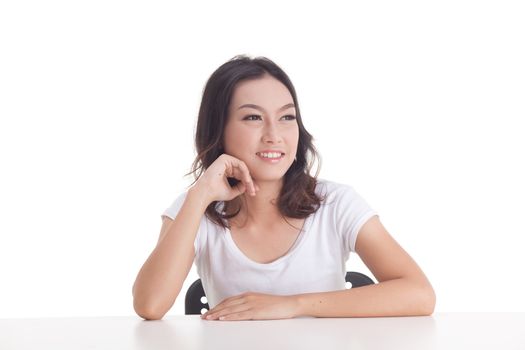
(271, 158)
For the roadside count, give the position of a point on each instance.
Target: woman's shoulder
(331, 188)
(337, 194)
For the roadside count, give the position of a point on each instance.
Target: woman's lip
(271, 160)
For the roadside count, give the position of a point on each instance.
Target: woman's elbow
(147, 314)
(428, 301)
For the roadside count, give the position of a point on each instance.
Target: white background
(418, 105)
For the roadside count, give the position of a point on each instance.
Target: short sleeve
(174, 208)
(172, 212)
(351, 211)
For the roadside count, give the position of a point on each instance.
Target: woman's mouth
(270, 157)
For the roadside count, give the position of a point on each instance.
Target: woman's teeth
(270, 155)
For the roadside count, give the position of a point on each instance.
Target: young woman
(269, 240)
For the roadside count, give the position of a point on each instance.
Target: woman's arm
(403, 288)
(160, 279)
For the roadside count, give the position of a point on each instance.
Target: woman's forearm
(398, 297)
(160, 279)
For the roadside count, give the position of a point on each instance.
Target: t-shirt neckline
(298, 242)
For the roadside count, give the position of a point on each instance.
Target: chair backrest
(195, 304)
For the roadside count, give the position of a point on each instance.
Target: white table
(503, 331)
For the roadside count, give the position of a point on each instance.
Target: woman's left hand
(254, 306)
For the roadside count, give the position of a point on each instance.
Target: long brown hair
(297, 198)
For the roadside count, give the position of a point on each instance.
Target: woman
(269, 240)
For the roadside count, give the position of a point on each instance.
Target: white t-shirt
(315, 262)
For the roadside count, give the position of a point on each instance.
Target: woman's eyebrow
(249, 105)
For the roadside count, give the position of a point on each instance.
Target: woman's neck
(260, 210)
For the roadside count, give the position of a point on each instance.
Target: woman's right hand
(214, 182)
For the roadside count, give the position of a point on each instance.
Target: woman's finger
(242, 173)
(249, 179)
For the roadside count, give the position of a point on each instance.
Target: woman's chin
(266, 176)
(267, 172)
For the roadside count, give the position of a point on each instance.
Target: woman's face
(268, 124)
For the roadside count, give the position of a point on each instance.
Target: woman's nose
(270, 133)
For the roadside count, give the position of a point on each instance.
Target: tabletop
(479, 330)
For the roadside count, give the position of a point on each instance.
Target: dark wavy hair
(297, 198)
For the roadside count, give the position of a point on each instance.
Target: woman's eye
(249, 116)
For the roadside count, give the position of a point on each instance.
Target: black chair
(195, 293)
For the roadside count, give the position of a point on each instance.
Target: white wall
(417, 105)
